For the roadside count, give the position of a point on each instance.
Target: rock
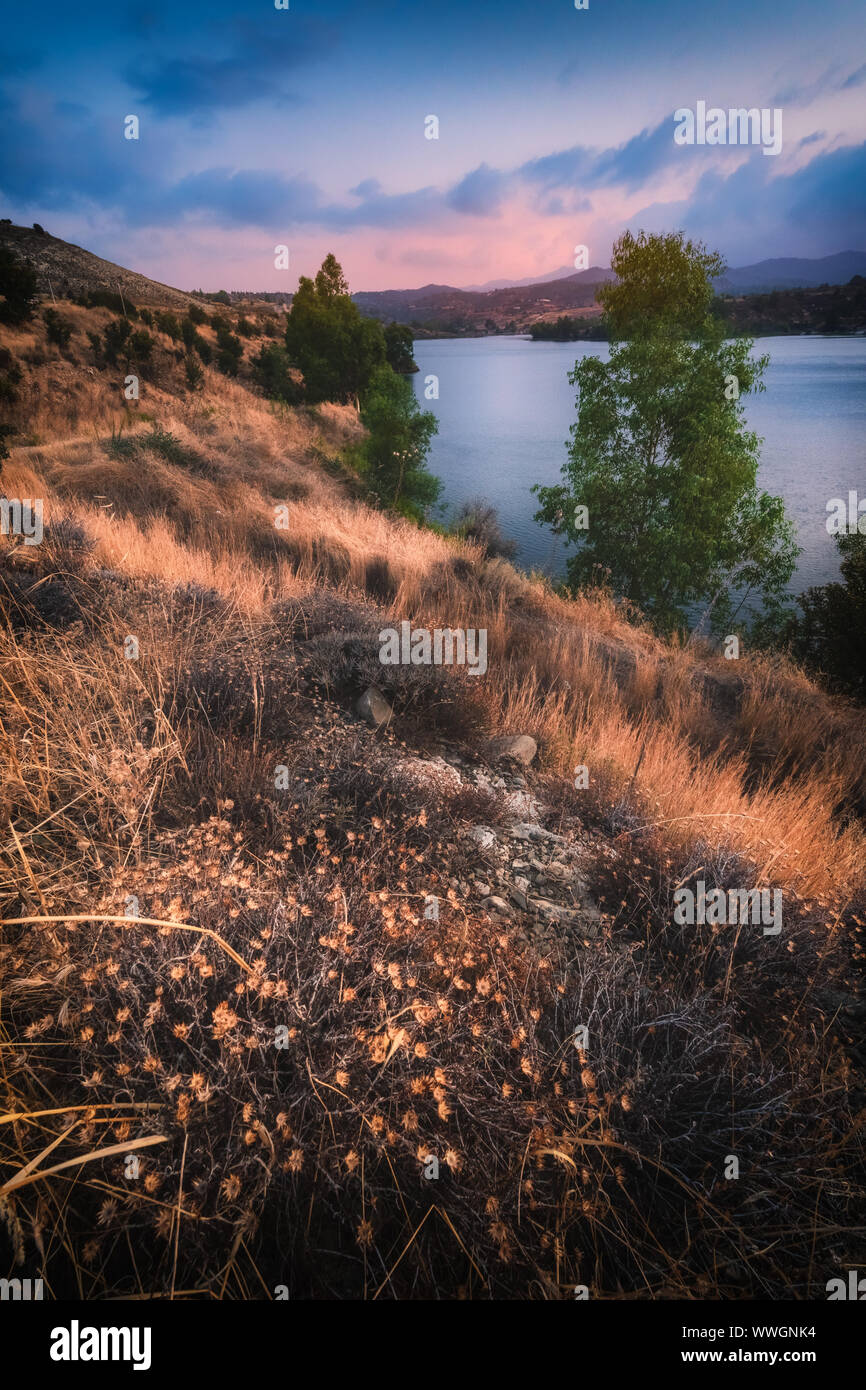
(373, 708)
(429, 772)
(519, 897)
(519, 747)
(524, 832)
(495, 904)
(522, 804)
(483, 836)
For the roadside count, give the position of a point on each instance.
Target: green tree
(399, 344)
(18, 286)
(335, 348)
(393, 457)
(830, 635)
(271, 371)
(660, 481)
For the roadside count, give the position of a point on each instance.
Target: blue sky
(305, 126)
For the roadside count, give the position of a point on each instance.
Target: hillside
(381, 998)
(67, 271)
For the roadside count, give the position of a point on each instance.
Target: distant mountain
(477, 311)
(793, 272)
(594, 275)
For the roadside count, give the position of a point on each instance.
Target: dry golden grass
(155, 778)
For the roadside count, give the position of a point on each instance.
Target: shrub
(270, 368)
(141, 346)
(197, 314)
(230, 350)
(18, 285)
(58, 329)
(117, 334)
(478, 521)
(10, 377)
(167, 323)
(194, 373)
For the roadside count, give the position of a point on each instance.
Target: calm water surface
(505, 407)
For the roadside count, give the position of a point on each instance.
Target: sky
(306, 127)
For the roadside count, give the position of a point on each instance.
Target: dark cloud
(260, 59)
(480, 193)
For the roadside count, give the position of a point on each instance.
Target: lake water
(505, 407)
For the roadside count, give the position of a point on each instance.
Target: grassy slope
(155, 778)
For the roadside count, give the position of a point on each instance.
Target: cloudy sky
(306, 127)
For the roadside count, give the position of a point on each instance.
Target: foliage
(57, 328)
(660, 458)
(830, 636)
(335, 348)
(271, 371)
(230, 350)
(478, 521)
(167, 322)
(18, 286)
(194, 373)
(398, 347)
(392, 459)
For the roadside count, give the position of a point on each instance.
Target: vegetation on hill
(827, 309)
(217, 950)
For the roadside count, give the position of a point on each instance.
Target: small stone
(373, 708)
(495, 904)
(520, 747)
(483, 836)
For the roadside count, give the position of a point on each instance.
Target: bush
(167, 323)
(230, 350)
(141, 346)
(194, 373)
(270, 368)
(146, 317)
(478, 521)
(831, 634)
(108, 299)
(197, 314)
(10, 377)
(117, 334)
(58, 329)
(18, 285)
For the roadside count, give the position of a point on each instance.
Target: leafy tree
(18, 286)
(830, 635)
(660, 482)
(335, 348)
(393, 457)
(399, 344)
